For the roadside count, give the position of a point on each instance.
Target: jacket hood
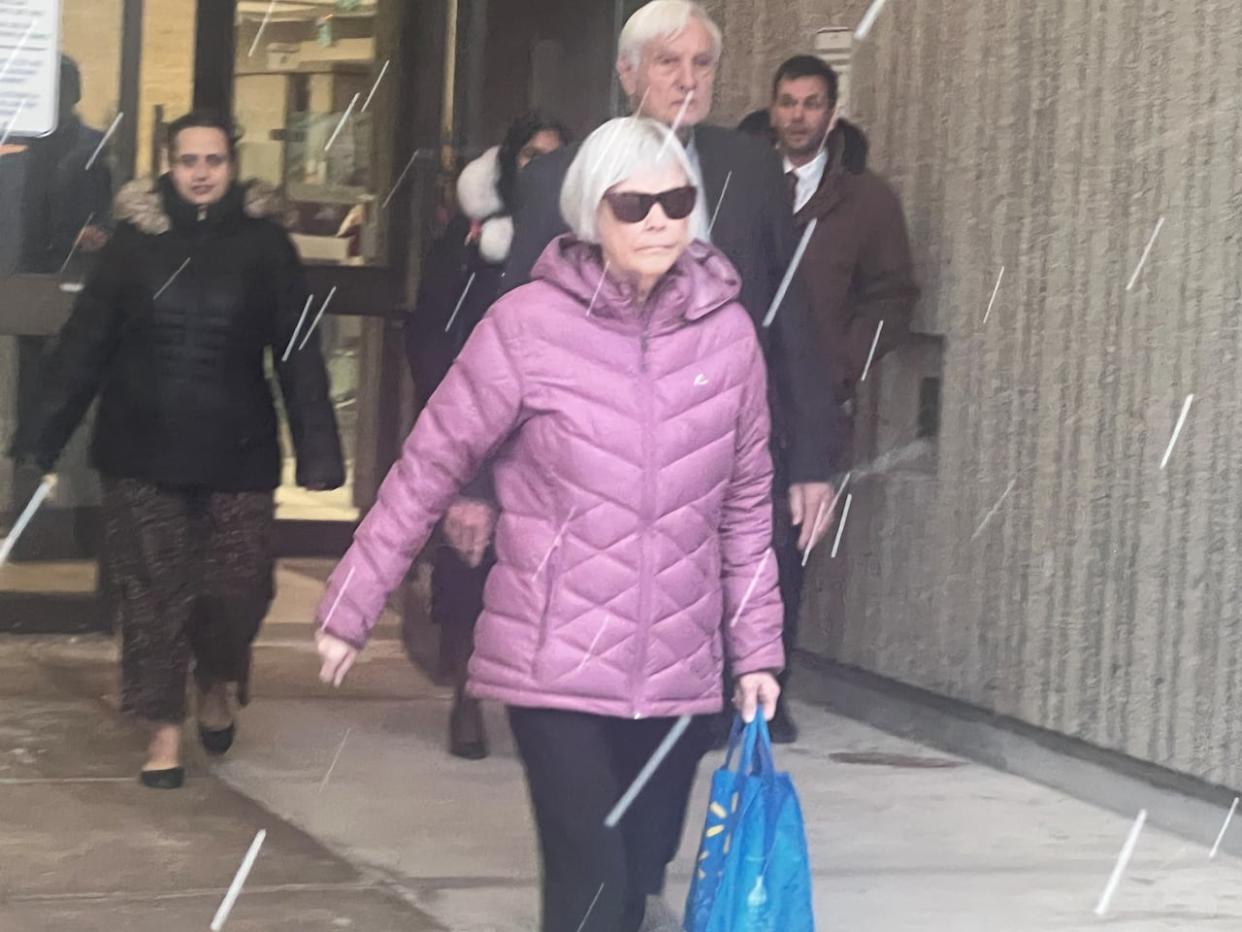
(701, 281)
(144, 203)
(478, 195)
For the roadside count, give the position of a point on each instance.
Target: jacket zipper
(647, 507)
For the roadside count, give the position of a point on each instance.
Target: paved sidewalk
(84, 847)
(902, 838)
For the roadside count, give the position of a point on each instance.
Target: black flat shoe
(170, 779)
(467, 739)
(782, 728)
(217, 741)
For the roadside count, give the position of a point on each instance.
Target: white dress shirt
(700, 205)
(809, 177)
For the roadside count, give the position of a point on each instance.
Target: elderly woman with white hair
(621, 396)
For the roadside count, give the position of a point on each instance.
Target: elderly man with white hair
(669, 51)
(622, 397)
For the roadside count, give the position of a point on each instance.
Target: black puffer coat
(170, 332)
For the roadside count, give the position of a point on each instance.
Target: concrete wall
(1102, 598)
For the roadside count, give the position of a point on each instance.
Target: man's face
(672, 70)
(801, 115)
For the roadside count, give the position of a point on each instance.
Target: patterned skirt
(189, 574)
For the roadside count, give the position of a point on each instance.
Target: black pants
(597, 879)
(788, 559)
(456, 603)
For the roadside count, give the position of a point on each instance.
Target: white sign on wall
(836, 48)
(29, 66)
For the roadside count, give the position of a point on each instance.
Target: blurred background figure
(758, 123)
(171, 332)
(461, 278)
(64, 202)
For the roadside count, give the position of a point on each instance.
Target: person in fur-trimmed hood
(171, 332)
(460, 280)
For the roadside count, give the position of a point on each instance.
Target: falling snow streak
(337, 601)
(298, 329)
(336, 757)
(315, 322)
(716, 213)
(677, 120)
(262, 26)
(995, 508)
(826, 508)
(28, 513)
(1146, 252)
(1177, 430)
(868, 20)
(375, 86)
(171, 279)
(21, 105)
(341, 125)
(789, 272)
(555, 543)
(465, 291)
(1233, 808)
(1123, 860)
(649, 769)
(591, 908)
(871, 355)
(76, 241)
(226, 906)
(400, 178)
(750, 589)
(602, 275)
(21, 44)
(103, 142)
(995, 291)
(845, 516)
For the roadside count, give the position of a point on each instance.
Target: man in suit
(668, 54)
(858, 269)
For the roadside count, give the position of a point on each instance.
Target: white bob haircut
(662, 19)
(616, 151)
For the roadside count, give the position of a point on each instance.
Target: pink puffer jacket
(634, 482)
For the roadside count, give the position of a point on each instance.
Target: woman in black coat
(461, 278)
(171, 331)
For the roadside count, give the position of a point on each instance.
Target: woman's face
(202, 168)
(643, 250)
(543, 142)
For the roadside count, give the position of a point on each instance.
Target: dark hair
(854, 146)
(202, 119)
(758, 123)
(520, 132)
(807, 66)
(70, 82)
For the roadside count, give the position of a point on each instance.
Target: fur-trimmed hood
(478, 195)
(141, 203)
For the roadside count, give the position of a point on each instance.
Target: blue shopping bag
(753, 873)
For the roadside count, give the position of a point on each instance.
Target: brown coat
(858, 269)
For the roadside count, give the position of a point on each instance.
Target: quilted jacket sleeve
(752, 600)
(71, 375)
(475, 409)
(303, 376)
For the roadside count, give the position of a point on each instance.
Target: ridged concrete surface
(1101, 599)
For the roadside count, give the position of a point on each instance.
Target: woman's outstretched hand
(753, 690)
(337, 656)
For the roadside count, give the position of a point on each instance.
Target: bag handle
(756, 747)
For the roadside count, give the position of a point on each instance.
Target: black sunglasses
(632, 207)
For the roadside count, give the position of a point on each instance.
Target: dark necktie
(791, 179)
